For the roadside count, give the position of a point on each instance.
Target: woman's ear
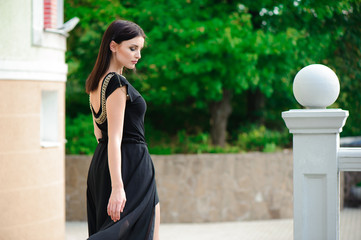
(113, 46)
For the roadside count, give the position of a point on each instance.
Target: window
(49, 119)
(53, 13)
(47, 17)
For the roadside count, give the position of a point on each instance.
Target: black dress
(137, 220)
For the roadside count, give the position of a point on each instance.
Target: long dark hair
(118, 31)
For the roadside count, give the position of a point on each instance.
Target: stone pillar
(315, 148)
(32, 124)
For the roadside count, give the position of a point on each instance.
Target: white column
(315, 172)
(315, 152)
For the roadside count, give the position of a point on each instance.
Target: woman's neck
(113, 67)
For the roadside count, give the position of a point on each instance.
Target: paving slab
(281, 229)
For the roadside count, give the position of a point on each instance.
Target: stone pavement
(251, 230)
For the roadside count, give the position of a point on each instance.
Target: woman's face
(127, 53)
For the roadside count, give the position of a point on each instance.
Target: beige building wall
(32, 125)
(31, 176)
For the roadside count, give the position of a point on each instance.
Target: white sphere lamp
(316, 86)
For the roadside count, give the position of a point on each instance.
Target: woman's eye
(132, 49)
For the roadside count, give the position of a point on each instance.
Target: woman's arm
(115, 105)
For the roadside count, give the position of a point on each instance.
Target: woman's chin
(132, 66)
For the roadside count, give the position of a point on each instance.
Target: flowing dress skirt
(137, 220)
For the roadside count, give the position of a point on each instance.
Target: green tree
(209, 55)
(333, 38)
(203, 54)
(227, 48)
(346, 59)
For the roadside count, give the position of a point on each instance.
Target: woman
(122, 199)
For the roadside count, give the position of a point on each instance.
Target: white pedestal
(315, 172)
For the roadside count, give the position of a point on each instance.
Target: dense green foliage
(197, 49)
(80, 135)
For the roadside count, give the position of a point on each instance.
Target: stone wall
(75, 186)
(205, 187)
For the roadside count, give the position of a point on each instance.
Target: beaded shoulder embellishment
(103, 115)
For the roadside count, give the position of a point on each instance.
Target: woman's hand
(116, 203)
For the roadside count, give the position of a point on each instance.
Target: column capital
(315, 121)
